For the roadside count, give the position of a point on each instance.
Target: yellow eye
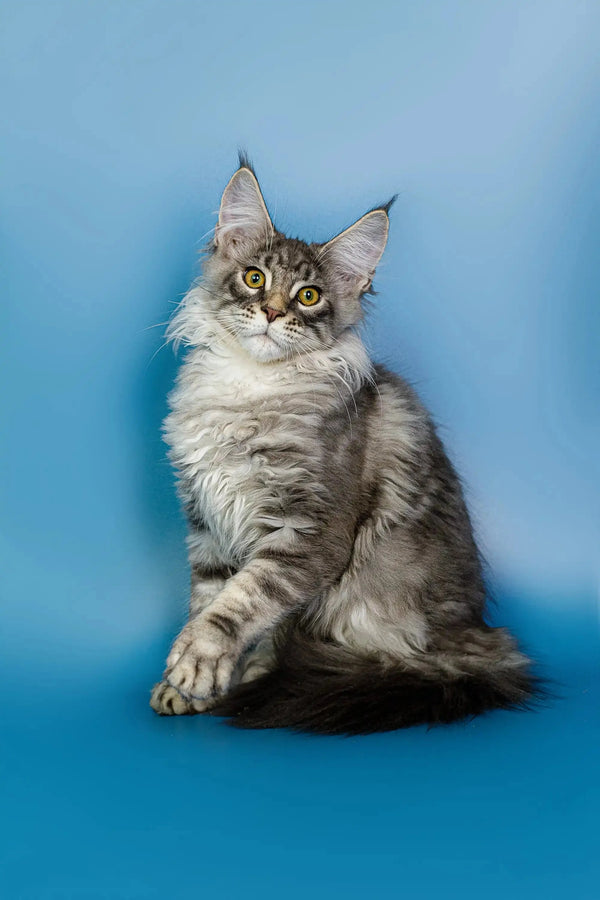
(254, 278)
(308, 296)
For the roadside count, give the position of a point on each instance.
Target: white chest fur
(241, 434)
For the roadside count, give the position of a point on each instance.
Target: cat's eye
(308, 296)
(254, 278)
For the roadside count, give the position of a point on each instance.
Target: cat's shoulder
(397, 386)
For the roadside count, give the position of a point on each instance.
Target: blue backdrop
(121, 122)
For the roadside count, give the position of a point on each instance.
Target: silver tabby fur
(336, 584)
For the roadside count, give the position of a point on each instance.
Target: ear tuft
(243, 216)
(244, 160)
(387, 206)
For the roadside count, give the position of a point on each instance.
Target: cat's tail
(325, 688)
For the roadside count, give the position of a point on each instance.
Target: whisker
(156, 352)
(157, 325)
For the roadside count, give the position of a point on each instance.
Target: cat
(336, 586)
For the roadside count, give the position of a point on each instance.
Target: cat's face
(279, 297)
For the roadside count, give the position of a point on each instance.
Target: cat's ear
(354, 253)
(243, 216)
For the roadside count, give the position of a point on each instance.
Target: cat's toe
(203, 671)
(166, 701)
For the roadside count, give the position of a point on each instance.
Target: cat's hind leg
(259, 661)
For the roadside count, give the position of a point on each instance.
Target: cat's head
(278, 297)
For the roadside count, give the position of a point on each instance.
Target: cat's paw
(201, 663)
(166, 701)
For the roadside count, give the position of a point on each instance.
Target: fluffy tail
(324, 688)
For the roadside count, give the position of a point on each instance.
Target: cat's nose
(272, 313)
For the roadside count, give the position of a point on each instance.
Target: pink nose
(272, 314)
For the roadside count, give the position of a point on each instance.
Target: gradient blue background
(121, 122)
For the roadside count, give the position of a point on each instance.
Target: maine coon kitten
(336, 585)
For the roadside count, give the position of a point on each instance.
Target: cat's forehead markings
(290, 257)
(282, 258)
(305, 270)
(286, 253)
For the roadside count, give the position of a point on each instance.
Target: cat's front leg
(208, 571)
(209, 648)
(208, 578)
(206, 585)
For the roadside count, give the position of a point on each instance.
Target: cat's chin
(262, 347)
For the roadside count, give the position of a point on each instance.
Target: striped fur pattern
(336, 585)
